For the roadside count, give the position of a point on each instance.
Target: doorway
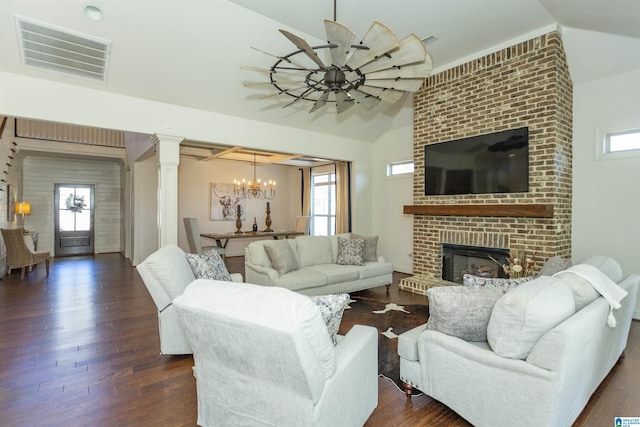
(74, 219)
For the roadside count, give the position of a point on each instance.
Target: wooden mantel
(528, 210)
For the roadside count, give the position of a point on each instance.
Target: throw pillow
(462, 311)
(208, 265)
(350, 252)
(282, 257)
(522, 316)
(608, 266)
(331, 307)
(506, 284)
(370, 247)
(553, 265)
(583, 292)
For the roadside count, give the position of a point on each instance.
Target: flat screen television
(492, 163)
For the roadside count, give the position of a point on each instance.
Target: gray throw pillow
(554, 265)
(282, 257)
(331, 307)
(370, 247)
(208, 265)
(462, 311)
(350, 251)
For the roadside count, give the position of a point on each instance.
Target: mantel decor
(528, 210)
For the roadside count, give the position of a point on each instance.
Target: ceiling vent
(56, 49)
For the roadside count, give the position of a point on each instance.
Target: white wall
(41, 172)
(606, 193)
(395, 229)
(194, 198)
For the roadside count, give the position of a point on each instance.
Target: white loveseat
(316, 271)
(547, 385)
(166, 273)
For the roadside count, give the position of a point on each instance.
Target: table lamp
(23, 208)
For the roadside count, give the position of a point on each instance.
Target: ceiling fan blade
(387, 95)
(342, 37)
(379, 40)
(407, 85)
(321, 102)
(298, 97)
(367, 101)
(411, 50)
(413, 71)
(270, 83)
(343, 101)
(303, 46)
(287, 60)
(280, 92)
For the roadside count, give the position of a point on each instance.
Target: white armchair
(166, 273)
(263, 356)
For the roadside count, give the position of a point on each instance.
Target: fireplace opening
(458, 260)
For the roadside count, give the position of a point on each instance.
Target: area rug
(391, 320)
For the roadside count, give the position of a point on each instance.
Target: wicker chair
(18, 254)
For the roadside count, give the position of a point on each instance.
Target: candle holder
(238, 222)
(268, 220)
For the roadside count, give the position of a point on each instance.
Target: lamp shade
(23, 208)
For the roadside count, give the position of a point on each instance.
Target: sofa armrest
(354, 385)
(236, 277)
(259, 275)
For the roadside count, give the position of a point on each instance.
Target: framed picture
(11, 203)
(224, 204)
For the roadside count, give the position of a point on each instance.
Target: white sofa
(263, 357)
(316, 271)
(166, 273)
(552, 384)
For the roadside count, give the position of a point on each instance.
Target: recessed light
(93, 12)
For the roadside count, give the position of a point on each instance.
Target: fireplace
(458, 260)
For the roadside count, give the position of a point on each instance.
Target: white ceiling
(189, 52)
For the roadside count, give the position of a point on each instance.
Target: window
(401, 167)
(623, 141)
(323, 206)
(620, 142)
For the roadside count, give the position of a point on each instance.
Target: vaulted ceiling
(189, 52)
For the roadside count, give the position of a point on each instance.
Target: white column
(168, 156)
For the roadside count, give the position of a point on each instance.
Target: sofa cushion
(208, 265)
(331, 307)
(169, 266)
(462, 311)
(370, 247)
(257, 254)
(313, 250)
(583, 292)
(350, 252)
(554, 265)
(337, 273)
(506, 284)
(303, 278)
(373, 269)
(526, 313)
(607, 265)
(334, 244)
(282, 257)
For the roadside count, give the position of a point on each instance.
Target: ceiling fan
(379, 67)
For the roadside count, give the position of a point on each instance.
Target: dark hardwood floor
(80, 347)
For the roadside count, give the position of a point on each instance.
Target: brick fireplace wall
(524, 85)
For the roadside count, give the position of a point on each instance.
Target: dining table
(222, 239)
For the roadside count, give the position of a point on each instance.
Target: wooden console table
(223, 239)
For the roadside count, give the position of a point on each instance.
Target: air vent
(60, 50)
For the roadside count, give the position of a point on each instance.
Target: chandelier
(378, 68)
(254, 189)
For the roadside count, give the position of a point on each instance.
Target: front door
(74, 220)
